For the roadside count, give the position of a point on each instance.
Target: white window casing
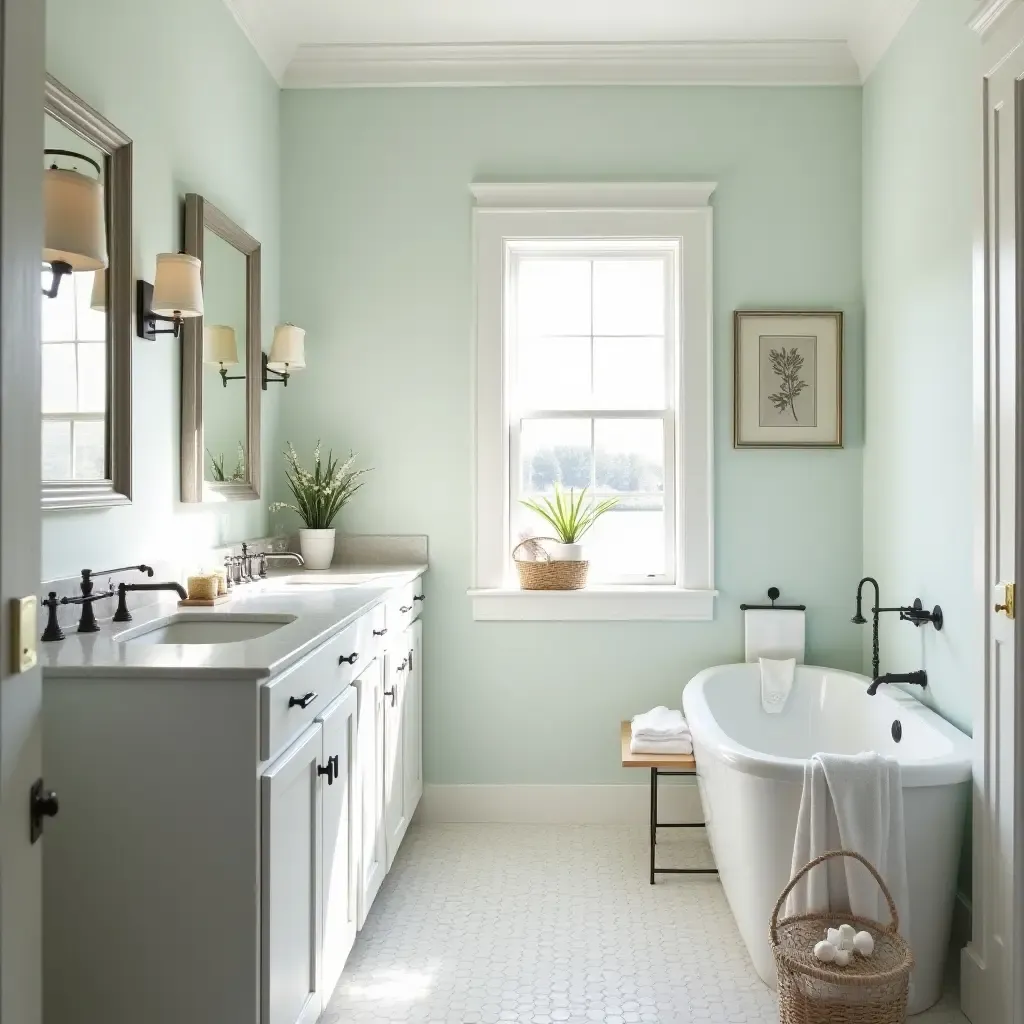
(670, 218)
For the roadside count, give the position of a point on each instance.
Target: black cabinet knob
(406, 608)
(303, 701)
(393, 694)
(349, 659)
(421, 597)
(334, 766)
(327, 770)
(380, 632)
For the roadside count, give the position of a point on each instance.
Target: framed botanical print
(788, 379)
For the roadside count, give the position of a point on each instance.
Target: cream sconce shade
(75, 232)
(220, 349)
(287, 354)
(175, 295)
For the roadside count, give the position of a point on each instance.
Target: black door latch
(42, 804)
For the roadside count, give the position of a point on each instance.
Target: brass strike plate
(23, 633)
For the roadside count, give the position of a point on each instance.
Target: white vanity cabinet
(222, 839)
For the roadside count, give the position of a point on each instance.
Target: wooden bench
(659, 765)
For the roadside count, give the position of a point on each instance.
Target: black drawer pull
(302, 702)
(328, 771)
(380, 632)
(350, 659)
(406, 608)
(392, 693)
(422, 597)
(404, 665)
(334, 765)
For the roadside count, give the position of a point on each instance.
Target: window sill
(594, 604)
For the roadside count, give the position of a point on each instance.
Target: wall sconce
(177, 293)
(287, 354)
(75, 235)
(220, 349)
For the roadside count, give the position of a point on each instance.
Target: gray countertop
(320, 605)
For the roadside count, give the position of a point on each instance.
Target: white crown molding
(648, 195)
(876, 27)
(274, 50)
(688, 63)
(989, 13)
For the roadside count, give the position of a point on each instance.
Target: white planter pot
(566, 552)
(317, 548)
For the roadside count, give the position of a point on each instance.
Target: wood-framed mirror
(87, 325)
(221, 362)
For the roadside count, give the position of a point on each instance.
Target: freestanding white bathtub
(750, 772)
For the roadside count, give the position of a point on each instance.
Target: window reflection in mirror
(224, 359)
(74, 353)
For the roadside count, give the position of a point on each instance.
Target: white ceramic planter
(317, 548)
(566, 552)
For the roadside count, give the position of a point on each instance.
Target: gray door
(21, 153)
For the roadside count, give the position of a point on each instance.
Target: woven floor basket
(870, 990)
(549, 574)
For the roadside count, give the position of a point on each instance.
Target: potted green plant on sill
(570, 516)
(319, 495)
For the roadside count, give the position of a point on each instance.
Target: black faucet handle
(53, 630)
(122, 614)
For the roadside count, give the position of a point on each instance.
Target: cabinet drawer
(404, 607)
(293, 700)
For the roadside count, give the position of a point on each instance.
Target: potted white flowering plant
(319, 495)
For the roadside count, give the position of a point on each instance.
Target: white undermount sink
(214, 629)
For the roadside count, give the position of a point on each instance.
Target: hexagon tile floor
(494, 923)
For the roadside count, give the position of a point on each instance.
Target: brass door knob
(1009, 600)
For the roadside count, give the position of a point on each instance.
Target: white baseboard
(560, 805)
(975, 988)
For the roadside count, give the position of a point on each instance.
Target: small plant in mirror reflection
(570, 516)
(320, 494)
(217, 467)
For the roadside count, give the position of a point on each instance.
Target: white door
(397, 667)
(21, 220)
(290, 891)
(990, 975)
(412, 758)
(340, 878)
(369, 768)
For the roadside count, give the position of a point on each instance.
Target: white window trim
(669, 211)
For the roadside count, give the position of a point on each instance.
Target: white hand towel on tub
(776, 682)
(852, 802)
(774, 633)
(660, 724)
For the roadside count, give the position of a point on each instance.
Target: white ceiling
(289, 33)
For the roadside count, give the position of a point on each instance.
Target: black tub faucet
(859, 620)
(919, 678)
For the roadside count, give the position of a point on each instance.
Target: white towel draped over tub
(852, 802)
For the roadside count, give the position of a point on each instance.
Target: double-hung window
(593, 370)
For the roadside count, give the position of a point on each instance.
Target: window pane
(554, 373)
(629, 296)
(629, 373)
(90, 454)
(60, 386)
(553, 450)
(92, 324)
(629, 540)
(630, 456)
(56, 449)
(59, 312)
(92, 377)
(553, 297)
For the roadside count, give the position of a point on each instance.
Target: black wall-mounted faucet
(915, 613)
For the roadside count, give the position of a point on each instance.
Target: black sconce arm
(277, 378)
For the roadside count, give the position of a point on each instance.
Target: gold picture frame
(787, 379)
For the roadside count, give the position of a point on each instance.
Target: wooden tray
(190, 603)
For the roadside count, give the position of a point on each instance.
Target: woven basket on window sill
(549, 574)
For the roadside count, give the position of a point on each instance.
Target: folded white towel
(673, 746)
(776, 682)
(660, 723)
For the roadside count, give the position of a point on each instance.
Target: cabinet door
(369, 769)
(394, 751)
(340, 852)
(412, 728)
(290, 897)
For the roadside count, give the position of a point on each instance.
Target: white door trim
(22, 47)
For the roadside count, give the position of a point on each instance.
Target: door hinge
(1009, 600)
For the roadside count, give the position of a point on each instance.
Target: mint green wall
(377, 267)
(921, 165)
(182, 81)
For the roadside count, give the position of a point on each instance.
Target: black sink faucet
(918, 678)
(122, 614)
